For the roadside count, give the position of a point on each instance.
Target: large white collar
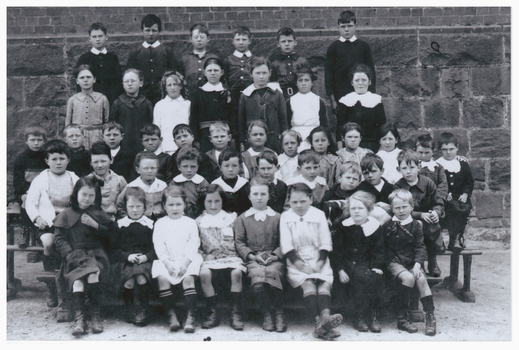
(154, 45)
(352, 39)
(429, 165)
(251, 88)
(143, 220)
(239, 184)
(403, 222)
(197, 179)
(312, 215)
(97, 52)
(318, 180)
(220, 220)
(260, 215)
(208, 87)
(368, 100)
(156, 186)
(241, 54)
(452, 166)
(368, 227)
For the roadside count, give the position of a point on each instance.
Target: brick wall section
(71, 20)
(464, 87)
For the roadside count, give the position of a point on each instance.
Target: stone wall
(438, 69)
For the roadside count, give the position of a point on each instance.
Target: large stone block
(14, 93)
(465, 49)
(488, 205)
(442, 112)
(46, 91)
(499, 179)
(404, 113)
(483, 113)
(490, 143)
(383, 77)
(393, 50)
(477, 166)
(412, 81)
(455, 82)
(490, 81)
(35, 59)
(508, 205)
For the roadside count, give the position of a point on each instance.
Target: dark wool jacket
(404, 248)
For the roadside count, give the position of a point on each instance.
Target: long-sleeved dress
(257, 232)
(167, 114)
(90, 111)
(307, 235)
(176, 240)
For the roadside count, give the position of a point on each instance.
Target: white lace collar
(429, 165)
(220, 220)
(312, 215)
(241, 54)
(154, 45)
(452, 166)
(260, 215)
(239, 184)
(368, 227)
(352, 39)
(403, 222)
(251, 88)
(197, 179)
(208, 87)
(97, 52)
(143, 220)
(368, 99)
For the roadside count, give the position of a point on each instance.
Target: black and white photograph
(254, 173)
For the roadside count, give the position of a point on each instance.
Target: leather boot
(212, 320)
(52, 298)
(327, 322)
(268, 323)
(432, 267)
(281, 326)
(190, 299)
(141, 308)
(430, 324)
(454, 243)
(95, 296)
(403, 323)
(189, 326)
(262, 299)
(79, 314)
(236, 321)
(25, 237)
(358, 322)
(373, 324)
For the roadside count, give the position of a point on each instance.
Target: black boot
(276, 296)
(430, 320)
(262, 299)
(95, 296)
(169, 307)
(432, 267)
(373, 324)
(25, 237)
(52, 299)
(127, 295)
(236, 321)
(403, 323)
(212, 320)
(143, 299)
(310, 303)
(358, 321)
(404, 296)
(190, 299)
(79, 314)
(454, 243)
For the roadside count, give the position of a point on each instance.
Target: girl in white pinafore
(305, 109)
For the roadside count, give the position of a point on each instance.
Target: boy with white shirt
(147, 168)
(152, 58)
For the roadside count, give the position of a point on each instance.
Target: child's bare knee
(141, 279)
(205, 275)
(78, 286)
(407, 279)
(130, 283)
(236, 275)
(163, 283)
(93, 277)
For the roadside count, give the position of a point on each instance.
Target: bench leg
(452, 282)
(464, 293)
(13, 284)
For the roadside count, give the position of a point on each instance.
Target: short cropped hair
(202, 28)
(149, 20)
(259, 124)
(268, 155)
(150, 129)
(307, 156)
(219, 126)
(292, 133)
(389, 128)
(112, 125)
(97, 26)
(56, 146)
(306, 70)
(86, 182)
(366, 198)
(447, 138)
(286, 31)
(137, 193)
(100, 148)
(227, 154)
(402, 194)
(370, 161)
(242, 30)
(346, 128)
(408, 156)
(425, 141)
(145, 155)
(347, 17)
(72, 126)
(180, 128)
(188, 153)
(173, 191)
(35, 130)
(81, 68)
(349, 167)
(137, 72)
(259, 61)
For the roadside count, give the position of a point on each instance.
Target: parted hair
(173, 191)
(86, 182)
(137, 193)
(402, 194)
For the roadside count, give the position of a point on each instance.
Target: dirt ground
(28, 317)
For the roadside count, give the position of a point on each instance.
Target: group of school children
(290, 209)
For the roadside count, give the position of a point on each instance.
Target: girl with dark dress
(82, 237)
